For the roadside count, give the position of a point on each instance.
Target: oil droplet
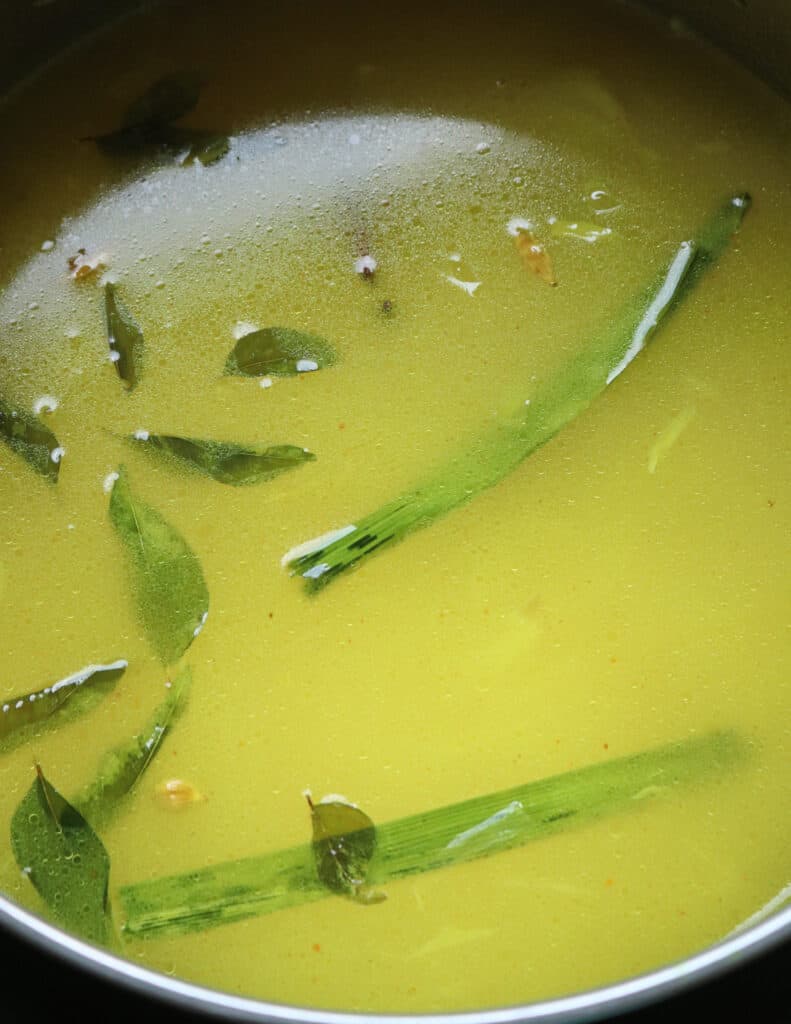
(176, 794)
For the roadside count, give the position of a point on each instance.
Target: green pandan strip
(555, 403)
(434, 839)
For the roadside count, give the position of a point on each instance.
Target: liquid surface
(625, 587)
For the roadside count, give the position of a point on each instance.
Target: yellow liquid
(625, 587)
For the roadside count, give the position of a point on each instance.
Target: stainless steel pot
(758, 33)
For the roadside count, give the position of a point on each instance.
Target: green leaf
(344, 841)
(23, 717)
(278, 352)
(172, 598)
(64, 859)
(167, 100)
(29, 438)
(120, 768)
(149, 118)
(149, 123)
(226, 461)
(124, 337)
(205, 147)
(440, 837)
(554, 404)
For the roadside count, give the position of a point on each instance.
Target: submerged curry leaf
(64, 859)
(172, 598)
(120, 768)
(278, 352)
(24, 717)
(167, 100)
(124, 337)
(344, 841)
(29, 438)
(227, 462)
(149, 123)
(149, 118)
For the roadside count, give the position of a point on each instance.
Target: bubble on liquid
(48, 245)
(365, 265)
(483, 147)
(470, 287)
(518, 224)
(242, 328)
(306, 365)
(141, 435)
(57, 454)
(47, 403)
(109, 482)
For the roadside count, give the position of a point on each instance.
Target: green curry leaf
(278, 352)
(344, 841)
(225, 461)
(149, 123)
(29, 438)
(148, 119)
(172, 597)
(168, 99)
(64, 859)
(120, 768)
(26, 716)
(124, 337)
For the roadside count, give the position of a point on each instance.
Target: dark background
(36, 987)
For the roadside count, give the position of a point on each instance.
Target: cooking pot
(756, 32)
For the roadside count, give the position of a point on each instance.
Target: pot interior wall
(757, 32)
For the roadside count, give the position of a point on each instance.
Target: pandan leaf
(553, 404)
(439, 837)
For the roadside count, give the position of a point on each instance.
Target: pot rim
(620, 997)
